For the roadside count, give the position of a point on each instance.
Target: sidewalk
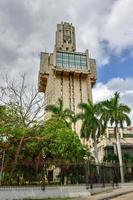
(123, 189)
(74, 192)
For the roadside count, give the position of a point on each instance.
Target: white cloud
(101, 92)
(120, 84)
(104, 27)
(118, 29)
(28, 27)
(124, 86)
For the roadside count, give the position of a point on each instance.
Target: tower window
(71, 60)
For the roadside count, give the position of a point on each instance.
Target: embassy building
(70, 75)
(66, 73)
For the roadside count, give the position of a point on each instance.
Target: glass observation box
(66, 60)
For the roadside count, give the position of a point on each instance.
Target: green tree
(73, 119)
(60, 142)
(9, 120)
(116, 114)
(24, 108)
(92, 127)
(55, 140)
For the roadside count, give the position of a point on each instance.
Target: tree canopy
(92, 126)
(115, 112)
(59, 112)
(60, 142)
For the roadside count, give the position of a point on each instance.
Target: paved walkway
(125, 197)
(25, 192)
(111, 194)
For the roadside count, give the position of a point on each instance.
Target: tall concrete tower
(66, 73)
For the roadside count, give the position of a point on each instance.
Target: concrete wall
(11, 193)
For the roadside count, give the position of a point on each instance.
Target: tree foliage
(92, 126)
(59, 112)
(116, 113)
(60, 142)
(25, 136)
(23, 107)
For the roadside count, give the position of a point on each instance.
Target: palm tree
(59, 112)
(92, 127)
(73, 119)
(116, 114)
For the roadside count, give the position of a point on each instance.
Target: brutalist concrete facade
(66, 73)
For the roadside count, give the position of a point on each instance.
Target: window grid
(67, 60)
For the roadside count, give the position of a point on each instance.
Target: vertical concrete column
(76, 93)
(84, 90)
(73, 96)
(61, 85)
(80, 87)
(66, 91)
(57, 88)
(70, 98)
(89, 89)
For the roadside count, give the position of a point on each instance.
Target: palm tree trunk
(96, 158)
(96, 151)
(119, 153)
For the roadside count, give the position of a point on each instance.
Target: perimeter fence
(57, 173)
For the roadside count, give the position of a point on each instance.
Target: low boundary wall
(11, 193)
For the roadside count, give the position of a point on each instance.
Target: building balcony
(66, 72)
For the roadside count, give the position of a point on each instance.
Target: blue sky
(118, 66)
(104, 27)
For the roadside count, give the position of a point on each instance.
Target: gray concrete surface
(124, 197)
(77, 192)
(10, 193)
(123, 189)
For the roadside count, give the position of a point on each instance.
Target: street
(124, 197)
